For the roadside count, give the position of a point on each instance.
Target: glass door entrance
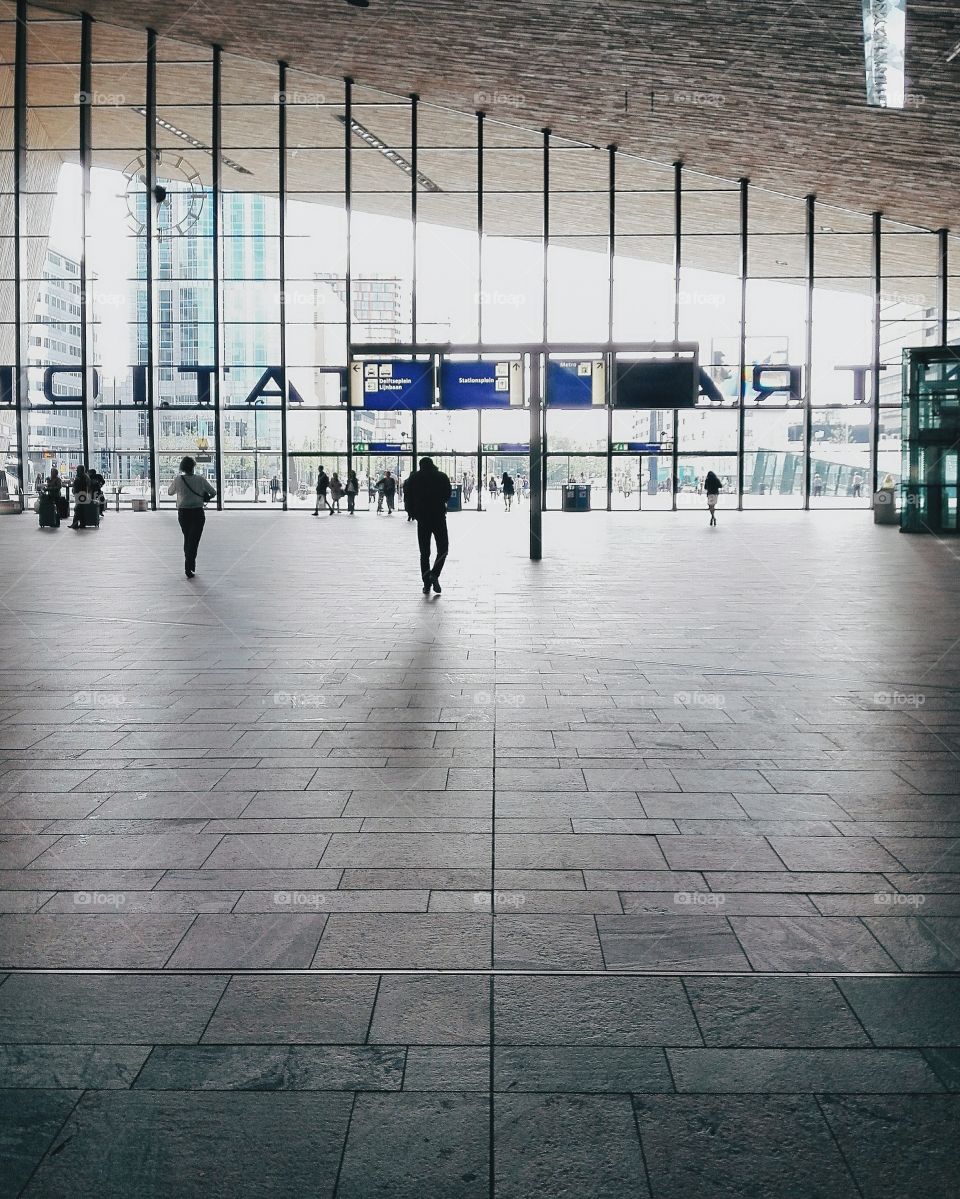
(641, 482)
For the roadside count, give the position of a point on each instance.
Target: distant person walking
(323, 486)
(857, 486)
(274, 489)
(817, 485)
(712, 485)
(492, 488)
(386, 490)
(336, 493)
(429, 489)
(192, 492)
(351, 489)
(508, 489)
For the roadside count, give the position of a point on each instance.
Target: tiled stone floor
(633, 872)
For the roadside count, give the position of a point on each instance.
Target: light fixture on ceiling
(359, 3)
(192, 141)
(375, 143)
(954, 52)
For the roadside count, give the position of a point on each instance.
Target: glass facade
(194, 246)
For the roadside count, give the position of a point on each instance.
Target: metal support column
(86, 331)
(808, 348)
(348, 278)
(742, 339)
(216, 185)
(544, 446)
(677, 260)
(414, 155)
(875, 364)
(150, 141)
(282, 256)
(19, 226)
(537, 472)
(943, 292)
(480, 119)
(611, 251)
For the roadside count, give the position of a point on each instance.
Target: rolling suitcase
(63, 507)
(91, 514)
(47, 511)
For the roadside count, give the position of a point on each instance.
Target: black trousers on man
(191, 521)
(434, 527)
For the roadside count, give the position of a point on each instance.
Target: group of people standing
(331, 485)
(89, 501)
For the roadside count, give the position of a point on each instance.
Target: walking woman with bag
(192, 492)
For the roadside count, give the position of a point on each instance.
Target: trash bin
(455, 502)
(576, 497)
(885, 507)
(138, 504)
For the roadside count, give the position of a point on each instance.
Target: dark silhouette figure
(351, 488)
(81, 497)
(428, 490)
(192, 492)
(323, 486)
(712, 485)
(406, 496)
(508, 488)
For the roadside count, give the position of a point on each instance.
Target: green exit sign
(359, 447)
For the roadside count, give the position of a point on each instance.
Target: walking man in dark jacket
(427, 491)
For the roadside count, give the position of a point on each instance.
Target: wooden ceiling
(759, 89)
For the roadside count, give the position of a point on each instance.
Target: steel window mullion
(611, 253)
(348, 280)
(86, 340)
(875, 365)
(677, 262)
(216, 228)
(809, 246)
(943, 251)
(19, 222)
(480, 118)
(149, 172)
(742, 336)
(282, 259)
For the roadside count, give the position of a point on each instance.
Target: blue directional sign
(481, 384)
(576, 383)
(390, 384)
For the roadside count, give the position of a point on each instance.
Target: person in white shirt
(192, 492)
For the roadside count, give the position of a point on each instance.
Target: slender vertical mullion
(543, 442)
(611, 251)
(348, 279)
(86, 340)
(677, 264)
(414, 154)
(414, 170)
(282, 248)
(943, 293)
(19, 224)
(742, 336)
(148, 229)
(875, 364)
(216, 142)
(480, 117)
(809, 249)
